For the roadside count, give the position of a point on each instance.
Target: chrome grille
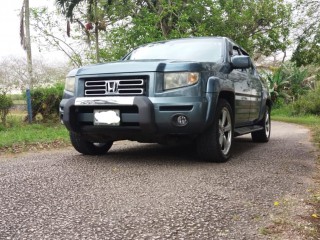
(114, 87)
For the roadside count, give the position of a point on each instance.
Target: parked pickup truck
(199, 90)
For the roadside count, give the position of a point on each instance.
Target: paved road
(146, 191)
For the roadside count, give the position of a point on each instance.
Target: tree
(7, 83)
(25, 37)
(14, 74)
(262, 27)
(50, 32)
(26, 43)
(94, 16)
(308, 33)
(5, 104)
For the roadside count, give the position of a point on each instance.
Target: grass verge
(18, 136)
(311, 229)
(310, 121)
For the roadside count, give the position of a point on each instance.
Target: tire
(215, 143)
(264, 134)
(89, 148)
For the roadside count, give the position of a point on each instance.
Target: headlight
(69, 85)
(180, 79)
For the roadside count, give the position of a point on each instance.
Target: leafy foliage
(94, 15)
(288, 82)
(5, 104)
(308, 104)
(45, 101)
(46, 23)
(277, 85)
(298, 86)
(307, 51)
(308, 33)
(260, 27)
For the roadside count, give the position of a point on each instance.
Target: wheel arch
(269, 103)
(229, 96)
(218, 88)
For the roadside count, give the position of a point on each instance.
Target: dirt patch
(33, 147)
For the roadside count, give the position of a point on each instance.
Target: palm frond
(62, 5)
(68, 28)
(71, 5)
(67, 6)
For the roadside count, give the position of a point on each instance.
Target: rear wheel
(89, 148)
(264, 134)
(215, 143)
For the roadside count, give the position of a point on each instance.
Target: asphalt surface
(147, 191)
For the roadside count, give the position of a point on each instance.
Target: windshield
(199, 50)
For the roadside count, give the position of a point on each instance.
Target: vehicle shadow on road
(243, 144)
(155, 153)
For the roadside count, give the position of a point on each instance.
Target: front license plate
(106, 117)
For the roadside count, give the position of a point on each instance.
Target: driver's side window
(237, 52)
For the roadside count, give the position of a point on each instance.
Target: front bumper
(142, 118)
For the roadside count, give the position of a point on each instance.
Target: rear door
(256, 93)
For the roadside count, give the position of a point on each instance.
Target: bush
(287, 83)
(308, 104)
(5, 104)
(45, 101)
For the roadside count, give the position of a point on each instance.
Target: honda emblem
(112, 87)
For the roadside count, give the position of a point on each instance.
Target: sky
(10, 26)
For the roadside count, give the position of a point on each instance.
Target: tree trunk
(96, 34)
(96, 31)
(29, 58)
(28, 43)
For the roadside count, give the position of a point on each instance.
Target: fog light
(180, 120)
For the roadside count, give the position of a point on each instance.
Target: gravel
(147, 191)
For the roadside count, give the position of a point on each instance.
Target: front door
(242, 96)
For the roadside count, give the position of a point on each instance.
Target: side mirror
(240, 62)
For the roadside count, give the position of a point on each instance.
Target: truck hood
(140, 66)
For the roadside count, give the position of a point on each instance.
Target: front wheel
(89, 148)
(263, 135)
(215, 143)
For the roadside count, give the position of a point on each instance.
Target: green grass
(33, 133)
(304, 120)
(310, 121)
(19, 102)
(17, 97)
(17, 132)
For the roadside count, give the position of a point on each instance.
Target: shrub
(288, 83)
(308, 104)
(5, 104)
(45, 101)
